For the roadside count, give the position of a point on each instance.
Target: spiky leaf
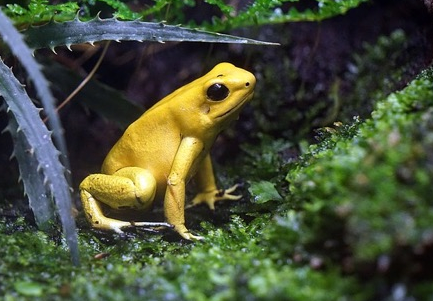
(33, 181)
(19, 48)
(72, 32)
(47, 156)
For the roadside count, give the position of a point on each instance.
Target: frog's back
(150, 143)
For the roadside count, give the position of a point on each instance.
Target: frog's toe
(225, 194)
(117, 227)
(190, 236)
(224, 197)
(117, 230)
(184, 232)
(211, 197)
(231, 197)
(153, 225)
(231, 189)
(108, 224)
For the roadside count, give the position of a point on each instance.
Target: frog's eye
(217, 92)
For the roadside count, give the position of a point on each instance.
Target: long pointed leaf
(55, 34)
(33, 181)
(39, 140)
(19, 48)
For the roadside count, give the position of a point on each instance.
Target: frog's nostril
(247, 84)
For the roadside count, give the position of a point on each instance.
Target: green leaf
(123, 11)
(263, 191)
(30, 289)
(41, 11)
(16, 9)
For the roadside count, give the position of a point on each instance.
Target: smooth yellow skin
(166, 147)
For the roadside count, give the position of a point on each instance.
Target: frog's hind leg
(129, 187)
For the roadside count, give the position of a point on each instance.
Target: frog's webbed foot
(211, 197)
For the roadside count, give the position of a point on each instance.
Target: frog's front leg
(129, 187)
(208, 191)
(174, 201)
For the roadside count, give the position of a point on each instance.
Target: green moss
(230, 264)
(369, 196)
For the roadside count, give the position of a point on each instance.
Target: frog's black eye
(217, 92)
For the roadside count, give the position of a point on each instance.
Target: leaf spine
(7, 129)
(53, 49)
(12, 156)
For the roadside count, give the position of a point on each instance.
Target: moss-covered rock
(367, 199)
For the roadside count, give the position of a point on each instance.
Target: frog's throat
(238, 105)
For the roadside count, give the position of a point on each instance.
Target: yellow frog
(166, 147)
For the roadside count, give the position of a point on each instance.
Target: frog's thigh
(129, 187)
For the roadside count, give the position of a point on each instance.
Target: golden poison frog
(165, 148)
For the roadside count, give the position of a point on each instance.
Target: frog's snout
(250, 82)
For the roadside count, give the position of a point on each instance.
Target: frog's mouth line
(246, 98)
